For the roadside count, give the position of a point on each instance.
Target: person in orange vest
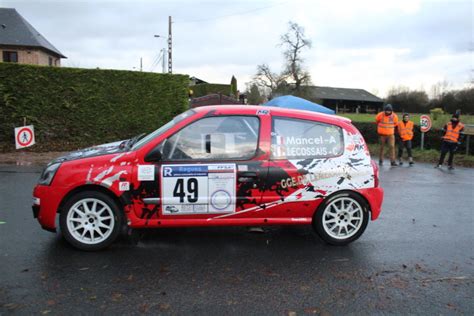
(452, 132)
(386, 123)
(405, 131)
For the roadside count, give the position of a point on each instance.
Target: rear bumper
(375, 198)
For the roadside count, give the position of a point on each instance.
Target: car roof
(274, 111)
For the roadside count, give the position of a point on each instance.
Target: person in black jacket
(451, 139)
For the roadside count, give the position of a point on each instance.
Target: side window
(301, 139)
(219, 137)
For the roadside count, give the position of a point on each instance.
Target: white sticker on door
(146, 172)
(198, 189)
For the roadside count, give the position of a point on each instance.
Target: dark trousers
(445, 148)
(401, 145)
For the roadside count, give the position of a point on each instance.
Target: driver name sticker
(198, 189)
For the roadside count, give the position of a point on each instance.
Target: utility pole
(141, 64)
(170, 44)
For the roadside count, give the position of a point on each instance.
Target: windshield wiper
(133, 140)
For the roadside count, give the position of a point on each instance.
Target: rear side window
(302, 139)
(215, 138)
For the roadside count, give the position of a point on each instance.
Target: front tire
(341, 219)
(90, 220)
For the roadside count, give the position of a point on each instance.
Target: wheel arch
(332, 195)
(91, 187)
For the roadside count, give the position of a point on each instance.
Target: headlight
(48, 174)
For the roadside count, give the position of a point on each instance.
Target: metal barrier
(468, 131)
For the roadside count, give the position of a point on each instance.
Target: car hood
(98, 150)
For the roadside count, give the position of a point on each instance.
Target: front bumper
(46, 201)
(36, 210)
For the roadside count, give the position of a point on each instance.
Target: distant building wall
(32, 56)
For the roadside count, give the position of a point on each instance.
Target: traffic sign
(425, 123)
(24, 136)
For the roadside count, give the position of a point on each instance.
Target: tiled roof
(16, 31)
(342, 94)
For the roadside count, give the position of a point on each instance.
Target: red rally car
(216, 166)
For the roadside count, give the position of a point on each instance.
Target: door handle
(247, 176)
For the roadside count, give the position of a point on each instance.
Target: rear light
(376, 174)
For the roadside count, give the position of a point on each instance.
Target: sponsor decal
(124, 186)
(146, 172)
(263, 112)
(243, 168)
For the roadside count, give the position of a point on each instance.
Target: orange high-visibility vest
(405, 130)
(386, 124)
(452, 134)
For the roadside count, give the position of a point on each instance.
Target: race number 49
(190, 190)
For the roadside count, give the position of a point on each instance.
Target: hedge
(73, 107)
(203, 89)
(432, 138)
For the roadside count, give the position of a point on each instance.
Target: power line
(232, 14)
(153, 65)
(156, 61)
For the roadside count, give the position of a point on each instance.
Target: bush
(436, 112)
(73, 107)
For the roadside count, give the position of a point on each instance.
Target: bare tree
(439, 89)
(295, 42)
(268, 79)
(293, 75)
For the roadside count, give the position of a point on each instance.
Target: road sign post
(425, 126)
(422, 140)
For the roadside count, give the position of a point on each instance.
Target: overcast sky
(372, 45)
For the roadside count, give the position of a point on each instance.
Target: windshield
(163, 129)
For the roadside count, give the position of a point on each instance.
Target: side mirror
(154, 155)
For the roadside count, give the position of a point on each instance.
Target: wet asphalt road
(417, 258)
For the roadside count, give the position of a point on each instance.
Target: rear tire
(90, 220)
(341, 219)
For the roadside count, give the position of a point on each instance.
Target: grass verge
(429, 156)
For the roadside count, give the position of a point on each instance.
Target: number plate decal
(198, 189)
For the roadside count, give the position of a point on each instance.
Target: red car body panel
(282, 194)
